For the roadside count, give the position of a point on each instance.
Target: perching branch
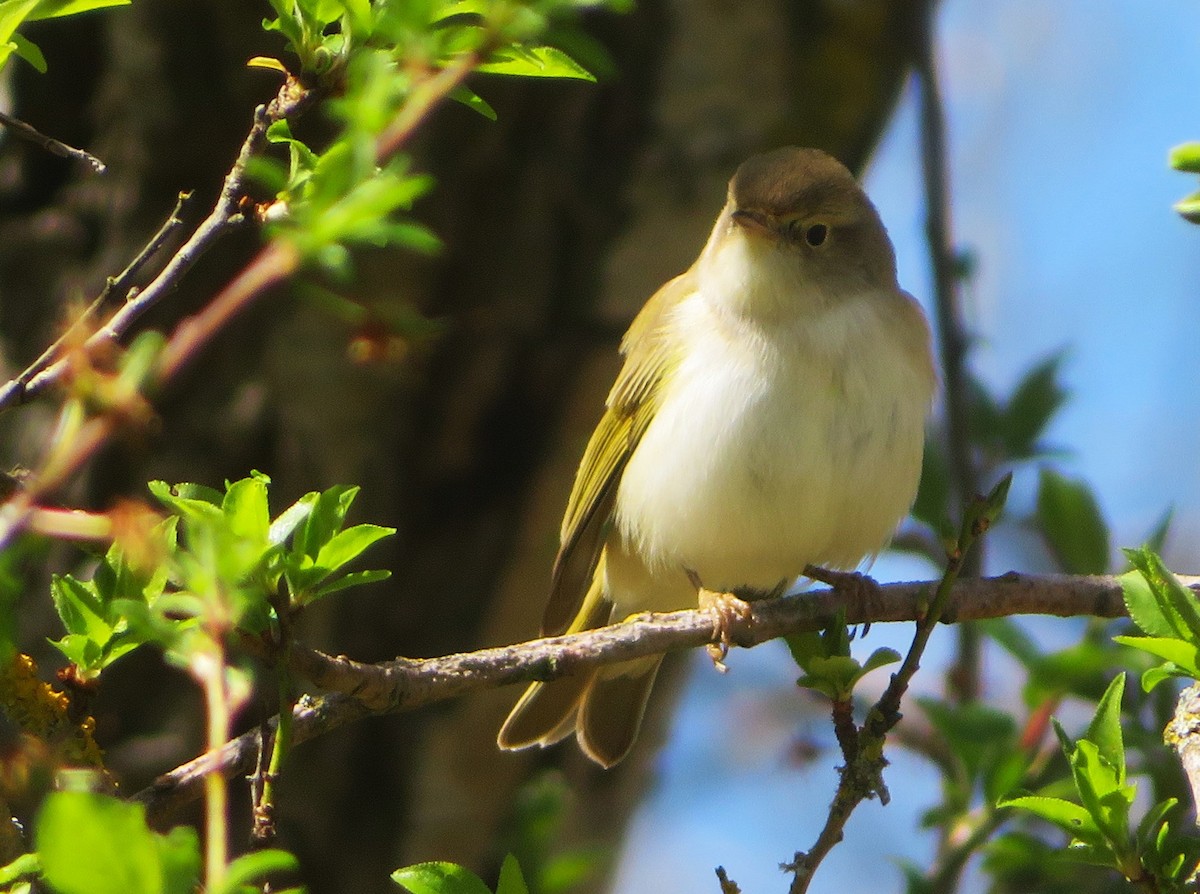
(361, 690)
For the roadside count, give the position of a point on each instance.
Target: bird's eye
(816, 235)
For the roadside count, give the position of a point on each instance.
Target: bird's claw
(729, 613)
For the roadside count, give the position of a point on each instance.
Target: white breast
(770, 452)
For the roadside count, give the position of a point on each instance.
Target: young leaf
(1185, 655)
(1068, 816)
(1033, 404)
(255, 866)
(439, 878)
(1105, 728)
(536, 62)
(1070, 520)
(1176, 611)
(511, 880)
(95, 844)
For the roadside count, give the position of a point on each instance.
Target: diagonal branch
(362, 690)
(291, 99)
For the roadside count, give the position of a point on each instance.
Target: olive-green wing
(631, 405)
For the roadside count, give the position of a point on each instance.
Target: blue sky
(1061, 115)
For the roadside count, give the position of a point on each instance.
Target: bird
(769, 415)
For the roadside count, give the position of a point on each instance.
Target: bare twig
(15, 391)
(361, 690)
(427, 96)
(952, 332)
(862, 775)
(56, 147)
(225, 215)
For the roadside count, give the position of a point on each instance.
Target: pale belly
(745, 483)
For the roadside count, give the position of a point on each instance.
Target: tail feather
(545, 714)
(611, 710)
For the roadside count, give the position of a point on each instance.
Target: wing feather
(630, 407)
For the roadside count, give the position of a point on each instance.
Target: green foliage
(537, 817)
(355, 190)
(1012, 429)
(90, 843)
(219, 555)
(1070, 520)
(1002, 432)
(1186, 158)
(1098, 822)
(826, 661)
(450, 878)
(984, 755)
(1167, 612)
(95, 844)
(14, 13)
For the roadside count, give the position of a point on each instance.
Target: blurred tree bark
(559, 221)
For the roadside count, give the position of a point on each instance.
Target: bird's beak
(754, 222)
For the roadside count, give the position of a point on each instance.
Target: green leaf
(1032, 405)
(255, 866)
(439, 878)
(290, 519)
(1103, 793)
(976, 734)
(1105, 729)
(1173, 609)
(881, 657)
(933, 493)
(354, 579)
(246, 510)
(535, 62)
(179, 856)
(1185, 655)
(1068, 816)
(473, 100)
(1189, 208)
(52, 9)
(1160, 673)
(326, 519)
(29, 51)
(24, 866)
(1185, 157)
(1070, 520)
(1143, 607)
(804, 647)
(1151, 825)
(95, 844)
(511, 880)
(80, 608)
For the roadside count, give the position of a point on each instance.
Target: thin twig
(426, 96)
(963, 677)
(15, 392)
(224, 216)
(360, 690)
(862, 775)
(56, 147)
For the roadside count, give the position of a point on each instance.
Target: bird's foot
(856, 588)
(729, 614)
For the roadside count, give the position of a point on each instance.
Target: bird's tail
(603, 707)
